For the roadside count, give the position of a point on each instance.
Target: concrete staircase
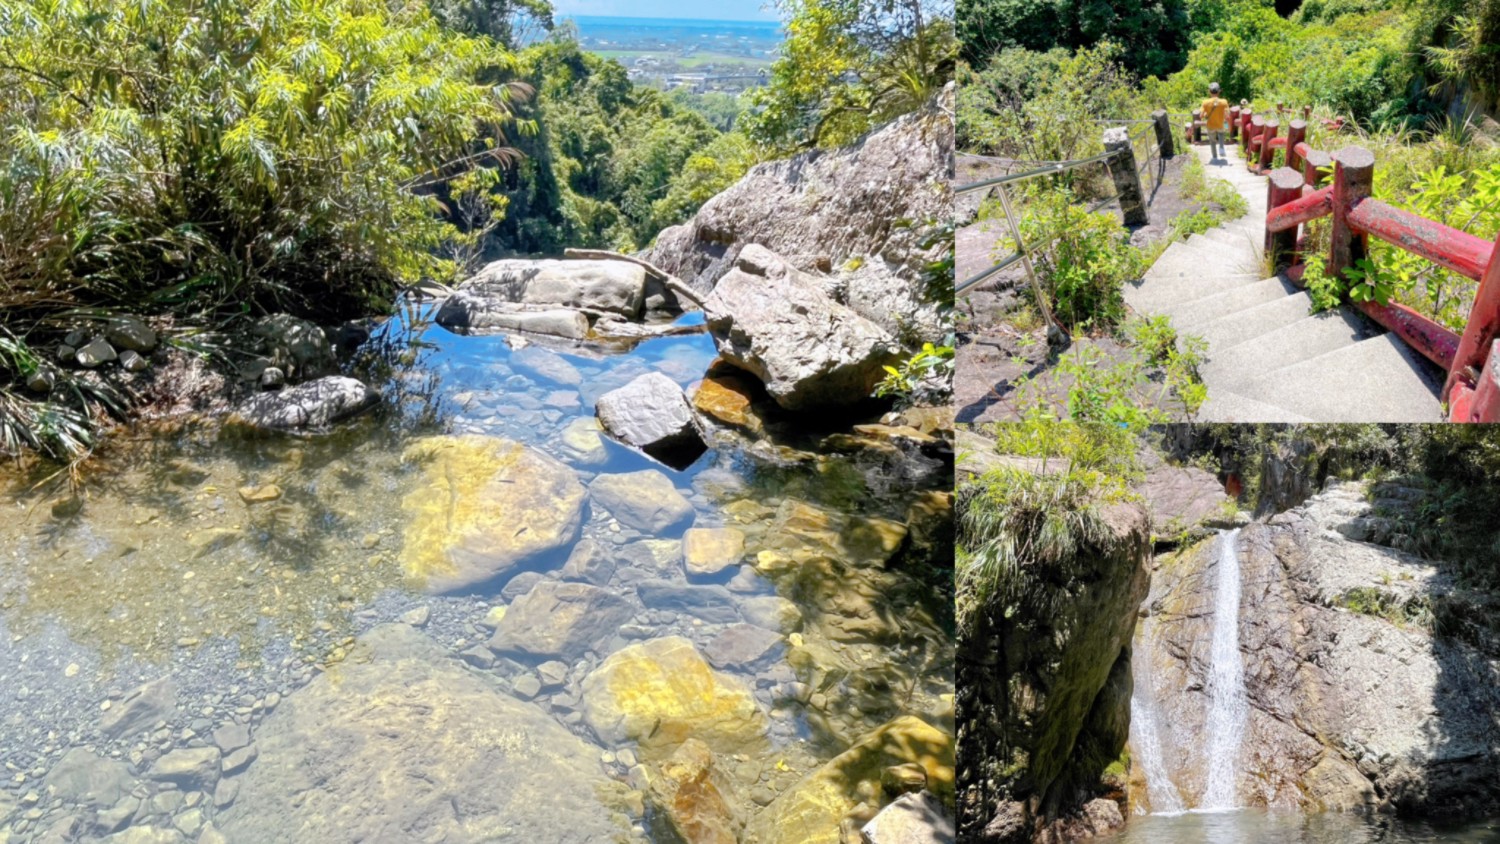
(1269, 360)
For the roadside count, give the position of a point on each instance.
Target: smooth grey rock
(646, 500)
(95, 353)
(297, 347)
(41, 381)
(611, 286)
(67, 353)
(190, 768)
(772, 612)
(272, 377)
(130, 333)
(652, 414)
(911, 819)
(810, 351)
(88, 779)
(239, 760)
(590, 562)
(364, 754)
(231, 737)
(713, 604)
(466, 311)
(560, 620)
(316, 404)
(140, 708)
(744, 646)
(133, 362)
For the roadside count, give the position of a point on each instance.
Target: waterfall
(1228, 707)
(1145, 737)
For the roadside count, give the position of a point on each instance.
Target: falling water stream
(1228, 707)
(1145, 737)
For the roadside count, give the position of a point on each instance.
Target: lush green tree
(511, 22)
(246, 153)
(1153, 34)
(848, 65)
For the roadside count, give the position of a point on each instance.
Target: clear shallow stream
(243, 568)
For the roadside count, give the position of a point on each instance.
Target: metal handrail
(1053, 169)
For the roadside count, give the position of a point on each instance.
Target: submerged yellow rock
(661, 692)
(810, 811)
(803, 529)
(483, 507)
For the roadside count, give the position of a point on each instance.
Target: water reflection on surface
(249, 571)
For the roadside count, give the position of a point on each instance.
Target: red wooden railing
(1296, 195)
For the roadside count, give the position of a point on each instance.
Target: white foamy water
(1145, 739)
(1228, 707)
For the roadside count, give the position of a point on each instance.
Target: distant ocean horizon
(612, 21)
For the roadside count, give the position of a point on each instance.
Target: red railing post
(1307, 112)
(1252, 153)
(1267, 154)
(1484, 405)
(1246, 117)
(1482, 328)
(1315, 167)
(1285, 185)
(1234, 123)
(1295, 134)
(1353, 175)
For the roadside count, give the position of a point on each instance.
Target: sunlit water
(166, 570)
(1249, 826)
(1228, 708)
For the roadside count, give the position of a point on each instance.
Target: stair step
(1234, 237)
(1230, 301)
(1376, 380)
(1155, 295)
(1227, 406)
(1302, 340)
(1228, 330)
(1177, 260)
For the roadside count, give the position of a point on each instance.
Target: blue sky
(723, 10)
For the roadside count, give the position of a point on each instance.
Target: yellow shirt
(1214, 111)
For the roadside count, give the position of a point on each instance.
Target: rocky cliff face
(1044, 702)
(1353, 701)
(853, 215)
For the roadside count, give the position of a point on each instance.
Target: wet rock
(41, 380)
(417, 616)
(231, 737)
(590, 562)
(130, 333)
(810, 811)
(297, 347)
(1181, 497)
(211, 835)
(652, 414)
(610, 286)
(645, 500)
(663, 556)
(140, 708)
(239, 760)
(916, 818)
(95, 353)
(133, 362)
(67, 353)
(802, 530)
(661, 692)
(272, 378)
(190, 768)
(929, 528)
(552, 673)
(468, 311)
(259, 494)
(728, 397)
(810, 352)
(316, 404)
(713, 604)
(744, 647)
(86, 779)
(903, 779)
(561, 620)
(483, 508)
(547, 365)
(694, 798)
(404, 744)
(115, 819)
(145, 835)
(582, 442)
(527, 686)
(772, 612)
(711, 550)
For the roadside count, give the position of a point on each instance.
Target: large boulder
(811, 811)
(560, 620)
(89, 780)
(483, 508)
(661, 692)
(403, 743)
(469, 311)
(617, 287)
(652, 414)
(824, 207)
(316, 404)
(810, 351)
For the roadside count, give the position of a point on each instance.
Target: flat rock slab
(911, 819)
(646, 500)
(612, 286)
(316, 404)
(402, 743)
(561, 620)
(483, 509)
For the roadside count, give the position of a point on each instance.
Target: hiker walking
(1214, 110)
